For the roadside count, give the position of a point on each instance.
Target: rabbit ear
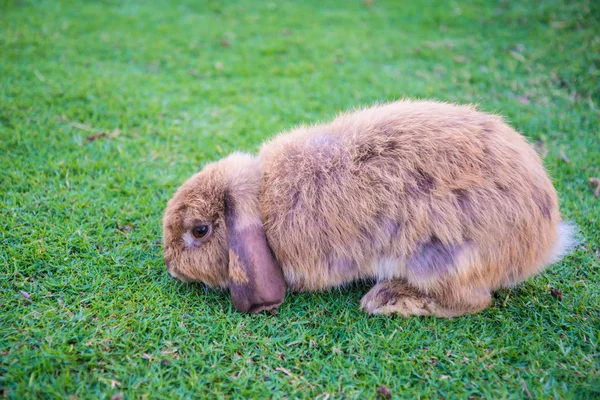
(255, 281)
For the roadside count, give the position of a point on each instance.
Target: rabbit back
(407, 190)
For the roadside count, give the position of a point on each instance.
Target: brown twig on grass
(595, 182)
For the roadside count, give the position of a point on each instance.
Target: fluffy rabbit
(439, 204)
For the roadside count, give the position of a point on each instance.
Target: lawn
(106, 107)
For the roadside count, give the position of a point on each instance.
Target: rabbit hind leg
(398, 297)
(440, 278)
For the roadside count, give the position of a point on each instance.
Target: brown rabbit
(440, 204)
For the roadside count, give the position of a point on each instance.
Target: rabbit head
(213, 233)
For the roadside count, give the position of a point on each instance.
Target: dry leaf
(81, 126)
(95, 136)
(595, 182)
(556, 293)
(384, 392)
(285, 371)
(517, 56)
(523, 99)
(118, 396)
(39, 75)
(25, 294)
(527, 392)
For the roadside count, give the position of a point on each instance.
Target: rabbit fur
(439, 204)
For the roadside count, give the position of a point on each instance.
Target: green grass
(178, 84)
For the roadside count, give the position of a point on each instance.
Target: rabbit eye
(200, 231)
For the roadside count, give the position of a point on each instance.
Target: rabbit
(437, 204)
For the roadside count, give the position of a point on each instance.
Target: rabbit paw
(394, 297)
